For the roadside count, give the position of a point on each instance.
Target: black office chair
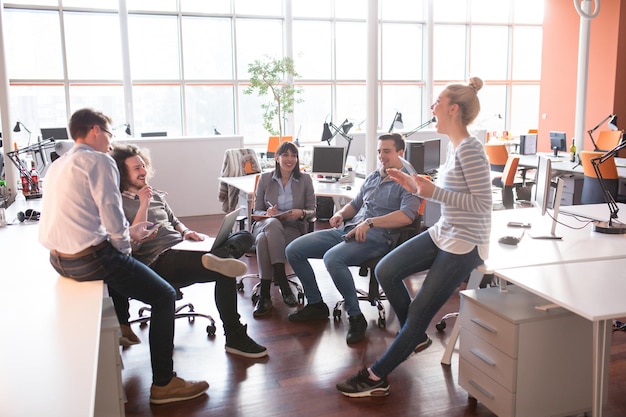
(375, 295)
(190, 314)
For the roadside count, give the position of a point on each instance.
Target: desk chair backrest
(608, 139)
(507, 181)
(274, 142)
(592, 192)
(497, 155)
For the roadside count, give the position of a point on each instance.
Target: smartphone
(519, 224)
(152, 228)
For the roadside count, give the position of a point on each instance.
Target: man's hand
(143, 231)
(336, 220)
(359, 233)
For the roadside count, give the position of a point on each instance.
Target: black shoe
(262, 306)
(288, 297)
(317, 311)
(360, 385)
(356, 332)
(421, 346)
(239, 343)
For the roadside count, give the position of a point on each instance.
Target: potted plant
(274, 77)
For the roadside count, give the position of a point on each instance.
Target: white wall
(187, 169)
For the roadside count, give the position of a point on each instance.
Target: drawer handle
(482, 390)
(482, 357)
(484, 326)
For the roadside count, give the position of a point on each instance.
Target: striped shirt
(464, 192)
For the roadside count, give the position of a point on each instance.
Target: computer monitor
(528, 144)
(54, 133)
(152, 134)
(544, 198)
(558, 140)
(424, 155)
(328, 161)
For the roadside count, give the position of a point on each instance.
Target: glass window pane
(157, 108)
(251, 46)
(251, 118)
(153, 47)
(308, 8)
(527, 43)
(489, 52)
(107, 98)
(402, 10)
(33, 54)
(312, 53)
(83, 60)
(152, 5)
(259, 8)
(36, 106)
(36, 2)
(406, 99)
(493, 106)
(351, 9)
(204, 6)
(524, 108)
(209, 107)
(351, 103)
(351, 50)
(450, 10)
(91, 4)
(449, 52)
(490, 11)
(207, 48)
(311, 113)
(528, 11)
(401, 59)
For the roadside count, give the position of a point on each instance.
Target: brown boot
(177, 390)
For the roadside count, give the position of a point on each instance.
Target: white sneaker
(225, 266)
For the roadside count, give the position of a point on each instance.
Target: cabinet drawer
(489, 360)
(495, 397)
(493, 329)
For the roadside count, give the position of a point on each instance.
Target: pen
(270, 205)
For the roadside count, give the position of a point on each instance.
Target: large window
(180, 66)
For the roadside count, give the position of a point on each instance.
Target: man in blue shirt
(360, 231)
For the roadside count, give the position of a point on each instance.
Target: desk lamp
(612, 126)
(397, 122)
(420, 127)
(17, 129)
(328, 135)
(608, 227)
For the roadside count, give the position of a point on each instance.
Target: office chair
(375, 296)
(592, 192)
(608, 139)
(497, 155)
(506, 181)
(237, 162)
(274, 142)
(191, 314)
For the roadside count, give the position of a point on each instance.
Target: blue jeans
(446, 271)
(132, 278)
(338, 255)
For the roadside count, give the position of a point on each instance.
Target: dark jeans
(125, 275)
(183, 268)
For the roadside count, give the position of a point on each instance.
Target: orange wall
(559, 71)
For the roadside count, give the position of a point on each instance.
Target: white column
(371, 87)
(10, 171)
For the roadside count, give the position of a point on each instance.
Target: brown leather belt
(84, 252)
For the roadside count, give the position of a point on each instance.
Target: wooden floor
(306, 360)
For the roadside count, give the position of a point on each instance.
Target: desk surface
(50, 331)
(563, 164)
(576, 244)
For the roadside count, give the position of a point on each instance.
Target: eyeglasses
(105, 131)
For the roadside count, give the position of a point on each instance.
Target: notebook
(209, 243)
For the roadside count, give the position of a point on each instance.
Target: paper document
(278, 216)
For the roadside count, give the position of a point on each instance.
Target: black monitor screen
(54, 133)
(558, 140)
(424, 155)
(328, 160)
(152, 134)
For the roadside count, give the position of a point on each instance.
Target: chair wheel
(440, 326)
(300, 298)
(240, 286)
(254, 298)
(211, 329)
(337, 313)
(382, 322)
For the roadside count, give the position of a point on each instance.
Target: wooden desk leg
(474, 282)
(602, 334)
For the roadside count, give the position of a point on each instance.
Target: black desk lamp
(420, 127)
(397, 122)
(608, 227)
(328, 135)
(612, 126)
(17, 129)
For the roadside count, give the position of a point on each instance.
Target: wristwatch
(370, 222)
(303, 215)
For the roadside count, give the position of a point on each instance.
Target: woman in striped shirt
(449, 250)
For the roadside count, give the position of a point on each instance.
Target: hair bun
(476, 83)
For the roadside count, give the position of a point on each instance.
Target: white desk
(563, 164)
(246, 185)
(592, 290)
(50, 331)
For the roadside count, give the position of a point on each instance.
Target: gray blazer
(303, 195)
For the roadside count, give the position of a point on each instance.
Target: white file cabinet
(521, 361)
(110, 396)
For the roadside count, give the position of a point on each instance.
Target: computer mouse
(348, 187)
(509, 240)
